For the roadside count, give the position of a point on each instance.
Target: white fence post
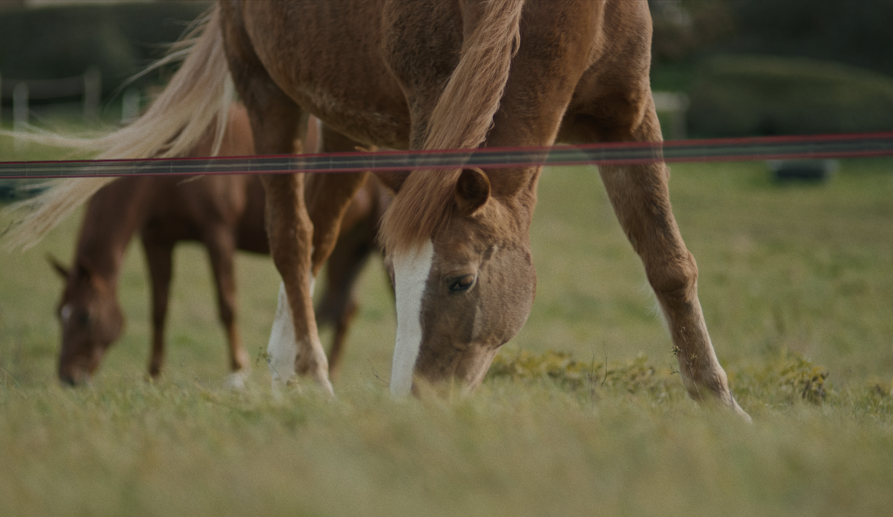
(92, 93)
(20, 113)
(130, 105)
(676, 104)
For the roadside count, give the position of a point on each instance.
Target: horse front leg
(294, 342)
(294, 345)
(641, 200)
(276, 123)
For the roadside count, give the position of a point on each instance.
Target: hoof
(236, 381)
(740, 412)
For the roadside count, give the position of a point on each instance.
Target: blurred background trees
(856, 33)
(748, 66)
(765, 67)
(65, 40)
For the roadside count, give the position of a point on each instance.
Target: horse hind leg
(338, 305)
(355, 243)
(328, 197)
(221, 245)
(640, 197)
(159, 255)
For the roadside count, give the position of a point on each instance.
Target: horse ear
(472, 191)
(56, 265)
(86, 271)
(83, 269)
(392, 180)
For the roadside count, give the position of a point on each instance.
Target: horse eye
(462, 284)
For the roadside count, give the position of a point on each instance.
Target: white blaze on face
(282, 349)
(411, 272)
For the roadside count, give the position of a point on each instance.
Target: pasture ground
(582, 413)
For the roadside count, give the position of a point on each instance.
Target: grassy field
(582, 413)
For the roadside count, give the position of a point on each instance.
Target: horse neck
(515, 183)
(113, 215)
(516, 191)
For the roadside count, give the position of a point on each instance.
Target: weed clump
(790, 377)
(805, 379)
(560, 368)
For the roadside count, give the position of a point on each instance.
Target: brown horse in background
(434, 74)
(224, 213)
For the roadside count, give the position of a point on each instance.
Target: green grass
(582, 414)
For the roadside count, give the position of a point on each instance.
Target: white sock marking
(410, 275)
(282, 349)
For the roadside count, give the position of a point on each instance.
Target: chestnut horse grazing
(219, 212)
(439, 74)
(224, 213)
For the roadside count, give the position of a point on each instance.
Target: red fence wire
(713, 150)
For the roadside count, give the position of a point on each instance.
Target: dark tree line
(856, 32)
(54, 42)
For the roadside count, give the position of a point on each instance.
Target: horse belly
(326, 57)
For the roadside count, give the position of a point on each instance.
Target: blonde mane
(198, 95)
(461, 120)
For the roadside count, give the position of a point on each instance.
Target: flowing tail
(461, 120)
(198, 95)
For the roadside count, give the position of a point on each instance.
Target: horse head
(463, 292)
(91, 320)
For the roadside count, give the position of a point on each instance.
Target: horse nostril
(68, 380)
